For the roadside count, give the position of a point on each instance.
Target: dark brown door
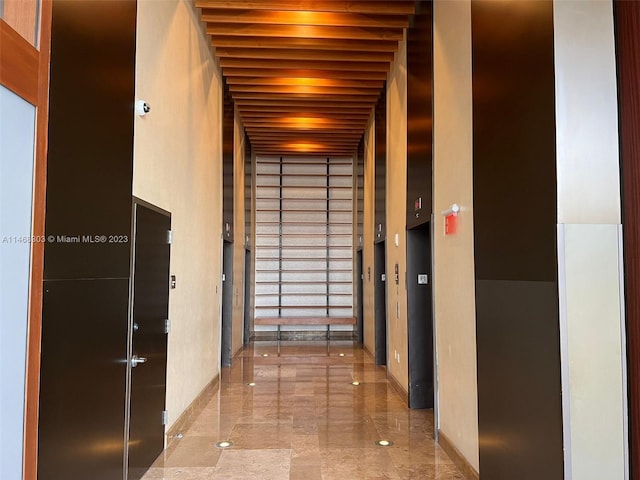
(148, 360)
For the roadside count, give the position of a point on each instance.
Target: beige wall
(453, 275)
(178, 167)
(589, 242)
(368, 235)
(237, 329)
(397, 363)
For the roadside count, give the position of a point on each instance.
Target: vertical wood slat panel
(304, 237)
(628, 45)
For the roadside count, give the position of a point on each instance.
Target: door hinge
(165, 417)
(167, 326)
(169, 237)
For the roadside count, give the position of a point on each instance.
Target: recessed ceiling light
(224, 444)
(384, 443)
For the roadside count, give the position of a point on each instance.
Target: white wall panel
(17, 133)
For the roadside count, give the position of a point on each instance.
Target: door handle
(135, 360)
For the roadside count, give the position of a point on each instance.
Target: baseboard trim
(398, 388)
(457, 457)
(368, 352)
(186, 419)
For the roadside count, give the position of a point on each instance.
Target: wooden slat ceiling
(305, 74)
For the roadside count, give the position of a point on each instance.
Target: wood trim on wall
(19, 62)
(22, 15)
(627, 18)
(460, 461)
(25, 71)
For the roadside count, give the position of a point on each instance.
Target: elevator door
(227, 303)
(420, 323)
(149, 338)
(360, 283)
(380, 302)
(248, 268)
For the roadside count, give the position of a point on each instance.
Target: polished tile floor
(303, 419)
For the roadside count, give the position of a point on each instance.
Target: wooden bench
(328, 321)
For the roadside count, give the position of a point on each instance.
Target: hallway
(304, 419)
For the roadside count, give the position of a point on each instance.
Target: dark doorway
(380, 303)
(148, 333)
(420, 317)
(360, 306)
(227, 303)
(247, 296)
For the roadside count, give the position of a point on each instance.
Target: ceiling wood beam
(335, 106)
(294, 121)
(295, 154)
(292, 107)
(304, 31)
(308, 65)
(281, 145)
(305, 43)
(349, 99)
(292, 127)
(395, 7)
(304, 17)
(267, 71)
(302, 113)
(265, 133)
(314, 55)
(317, 148)
(315, 82)
(303, 90)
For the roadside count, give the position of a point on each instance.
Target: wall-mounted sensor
(142, 108)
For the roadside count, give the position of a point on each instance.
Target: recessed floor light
(384, 443)
(341, 355)
(355, 383)
(265, 354)
(224, 444)
(251, 384)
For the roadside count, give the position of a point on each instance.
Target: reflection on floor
(304, 419)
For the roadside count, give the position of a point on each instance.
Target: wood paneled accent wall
(227, 167)
(380, 113)
(420, 115)
(515, 218)
(24, 69)
(627, 18)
